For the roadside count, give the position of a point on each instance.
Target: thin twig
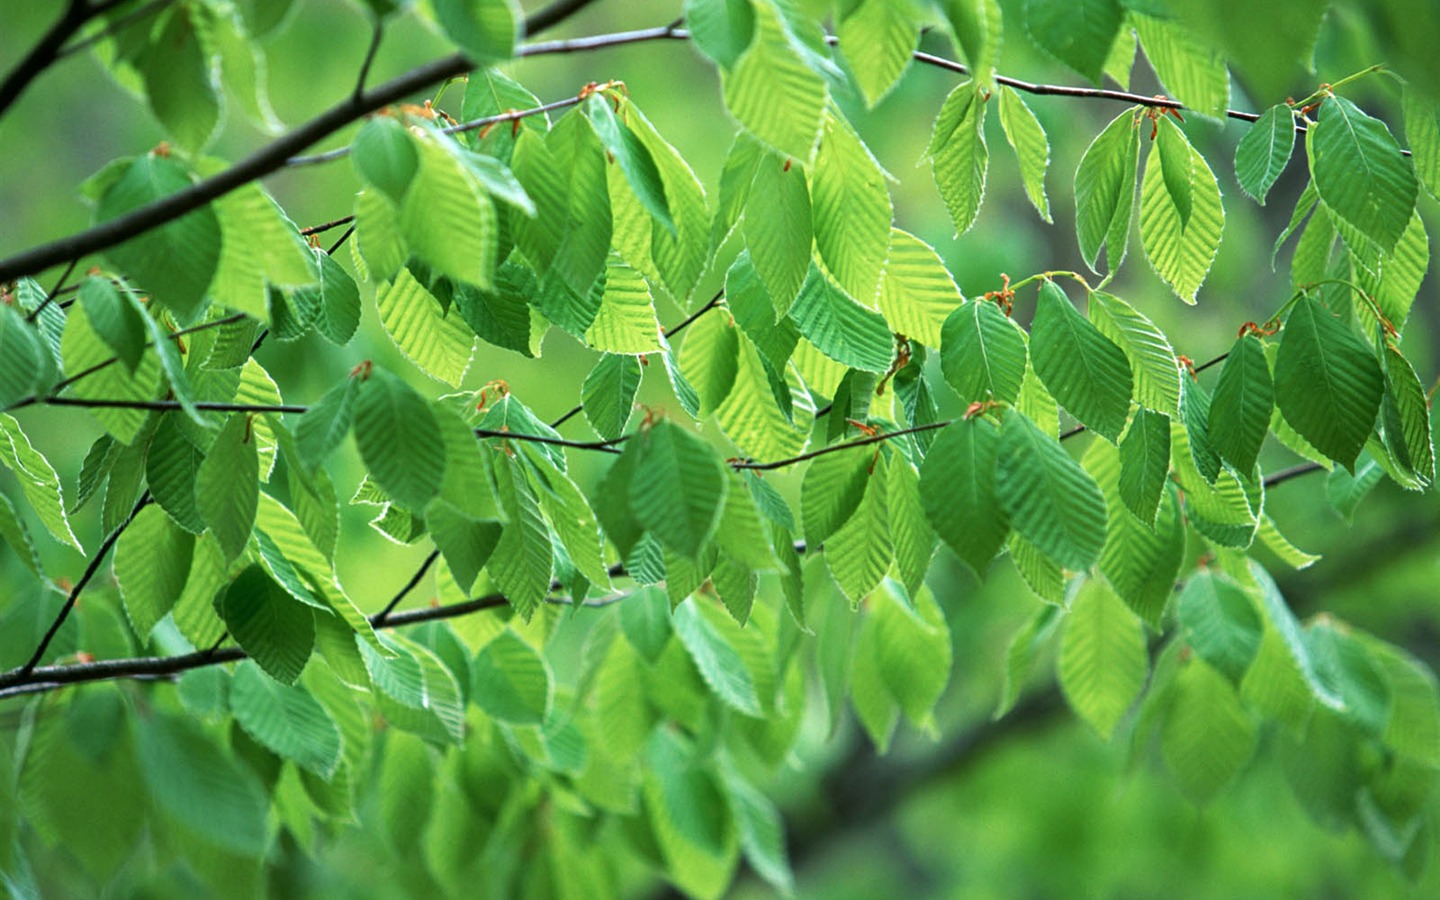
(326, 226)
(46, 51)
(1291, 473)
(836, 448)
(553, 15)
(74, 596)
(378, 620)
(341, 242)
(376, 34)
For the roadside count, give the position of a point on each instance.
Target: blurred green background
(1033, 806)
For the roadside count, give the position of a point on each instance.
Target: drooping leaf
(982, 353)
(1103, 662)
(1263, 152)
(512, 682)
(779, 228)
(1032, 148)
(851, 210)
(1190, 70)
(1145, 463)
(37, 480)
(958, 491)
(275, 629)
(438, 342)
(772, 92)
(1085, 371)
(399, 440)
(917, 292)
(1359, 171)
(485, 29)
(227, 485)
(1105, 191)
(1207, 736)
(678, 487)
(878, 37)
(608, 393)
(703, 633)
(1050, 499)
(1241, 405)
(1152, 359)
(286, 719)
(200, 786)
(1078, 34)
(1327, 383)
(152, 562)
(1181, 231)
(841, 328)
(958, 156)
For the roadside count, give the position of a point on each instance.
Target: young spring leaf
(778, 228)
(399, 440)
(1181, 214)
(1327, 383)
(1079, 33)
(227, 485)
(1050, 499)
(485, 29)
(878, 38)
(277, 630)
(678, 487)
(1240, 407)
(958, 491)
(1082, 368)
(982, 353)
(839, 327)
(958, 156)
(1360, 173)
(852, 210)
(1103, 662)
(773, 92)
(1263, 152)
(1032, 148)
(1105, 191)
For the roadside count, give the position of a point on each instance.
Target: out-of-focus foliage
(725, 491)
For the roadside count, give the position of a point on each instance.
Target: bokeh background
(1033, 805)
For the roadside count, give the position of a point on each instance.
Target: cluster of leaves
(710, 597)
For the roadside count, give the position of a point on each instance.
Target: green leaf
(702, 630)
(489, 92)
(1241, 405)
(625, 321)
(608, 394)
(860, 551)
(677, 488)
(982, 353)
(1181, 232)
(486, 30)
(1422, 133)
(1028, 641)
(1081, 368)
(1207, 736)
(752, 420)
(275, 629)
(200, 787)
(683, 255)
(976, 25)
(839, 327)
(227, 485)
(909, 528)
(958, 491)
(1360, 173)
(1406, 416)
(762, 831)
(625, 148)
(1141, 563)
(384, 155)
(772, 92)
(958, 156)
(1152, 359)
(574, 522)
(709, 357)
(911, 650)
(1263, 152)
(722, 29)
(568, 240)
(1105, 191)
(1220, 622)
(917, 292)
(689, 815)
(336, 302)
(1190, 71)
(1145, 463)
(1032, 148)
(1327, 383)
(285, 719)
(180, 80)
(1051, 500)
(511, 682)
(523, 560)
(399, 440)
(152, 562)
(446, 218)
(24, 360)
(1079, 34)
(778, 228)
(37, 480)
(322, 428)
(115, 319)
(852, 210)
(831, 491)
(1103, 663)
(174, 262)
(877, 38)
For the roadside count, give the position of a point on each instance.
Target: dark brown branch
(47, 50)
(115, 27)
(170, 405)
(274, 155)
(377, 33)
(836, 448)
(326, 226)
(1291, 473)
(94, 566)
